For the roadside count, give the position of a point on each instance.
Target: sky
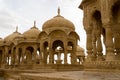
(22, 13)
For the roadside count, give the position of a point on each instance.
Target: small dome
(1, 41)
(79, 48)
(80, 51)
(20, 37)
(33, 33)
(58, 22)
(12, 36)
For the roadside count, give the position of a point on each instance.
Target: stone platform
(68, 75)
(73, 75)
(108, 65)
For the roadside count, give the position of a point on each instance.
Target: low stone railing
(102, 65)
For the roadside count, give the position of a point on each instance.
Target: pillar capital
(88, 31)
(107, 25)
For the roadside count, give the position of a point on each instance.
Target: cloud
(24, 12)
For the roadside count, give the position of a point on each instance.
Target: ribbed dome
(32, 33)
(12, 36)
(58, 22)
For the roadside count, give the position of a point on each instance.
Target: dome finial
(16, 28)
(58, 10)
(34, 23)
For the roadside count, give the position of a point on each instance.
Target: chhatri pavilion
(55, 46)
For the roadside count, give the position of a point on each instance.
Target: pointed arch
(42, 35)
(57, 33)
(74, 35)
(115, 10)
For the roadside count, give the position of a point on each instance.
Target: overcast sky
(22, 13)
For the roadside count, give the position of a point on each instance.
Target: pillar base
(88, 59)
(58, 61)
(110, 57)
(100, 58)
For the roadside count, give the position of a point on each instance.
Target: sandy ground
(79, 75)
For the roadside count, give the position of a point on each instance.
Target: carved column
(16, 56)
(12, 56)
(23, 55)
(6, 55)
(73, 54)
(99, 48)
(35, 55)
(65, 53)
(94, 47)
(50, 54)
(117, 44)
(45, 55)
(89, 45)
(41, 54)
(110, 56)
(3, 60)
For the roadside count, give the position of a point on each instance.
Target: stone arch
(74, 35)
(57, 33)
(115, 10)
(97, 31)
(97, 23)
(29, 55)
(58, 47)
(43, 35)
(96, 20)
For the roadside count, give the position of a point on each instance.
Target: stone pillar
(94, 47)
(50, 54)
(117, 44)
(41, 54)
(89, 45)
(16, 56)
(99, 48)
(110, 56)
(6, 55)
(12, 56)
(73, 55)
(23, 55)
(65, 53)
(45, 55)
(3, 60)
(35, 55)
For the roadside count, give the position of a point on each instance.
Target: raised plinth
(109, 65)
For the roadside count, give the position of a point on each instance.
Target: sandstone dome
(79, 48)
(58, 22)
(12, 36)
(32, 33)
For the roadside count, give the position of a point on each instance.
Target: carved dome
(32, 33)
(80, 51)
(58, 22)
(12, 36)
